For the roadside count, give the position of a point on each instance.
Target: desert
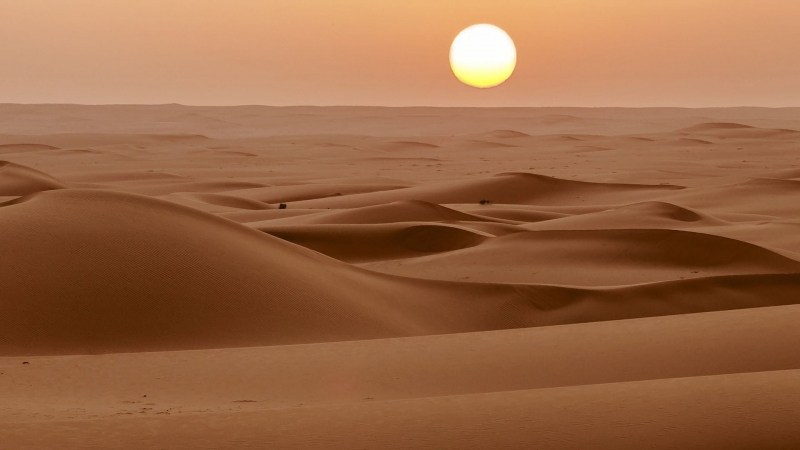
(367, 277)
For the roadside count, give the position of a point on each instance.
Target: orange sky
(371, 52)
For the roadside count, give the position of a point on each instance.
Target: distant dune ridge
(606, 257)
(506, 188)
(178, 277)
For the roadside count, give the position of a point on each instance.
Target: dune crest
(506, 134)
(738, 131)
(15, 148)
(399, 211)
(600, 257)
(711, 126)
(509, 187)
(16, 179)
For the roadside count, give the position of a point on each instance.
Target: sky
(691, 53)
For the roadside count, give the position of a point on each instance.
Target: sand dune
(778, 235)
(20, 180)
(122, 176)
(180, 267)
(715, 126)
(771, 197)
(400, 211)
(738, 131)
(176, 278)
(256, 217)
(436, 278)
(595, 257)
(361, 243)
(637, 215)
(518, 188)
(693, 142)
(517, 214)
(407, 145)
(300, 192)
(226, 201)
(127, 279)
(21, 148)
(162, 188)
(785, 174)
(505, 134)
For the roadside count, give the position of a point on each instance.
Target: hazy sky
(395, 52)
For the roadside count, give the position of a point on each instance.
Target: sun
(483, 56)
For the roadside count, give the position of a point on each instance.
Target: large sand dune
(179, 277)
(85, 276)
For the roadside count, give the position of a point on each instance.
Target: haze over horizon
(488, 107)
(706, 53)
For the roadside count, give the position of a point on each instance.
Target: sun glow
(483, 56)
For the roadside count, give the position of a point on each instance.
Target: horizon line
(252, 105)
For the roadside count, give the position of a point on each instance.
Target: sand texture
(340, 278)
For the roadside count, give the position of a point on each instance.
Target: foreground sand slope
(753, 340)
(741, 411)
(451, 391)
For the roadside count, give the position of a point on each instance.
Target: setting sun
(483, 56)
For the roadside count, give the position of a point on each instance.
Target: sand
(258, 277)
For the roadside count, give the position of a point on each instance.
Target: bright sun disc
(483, 56)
